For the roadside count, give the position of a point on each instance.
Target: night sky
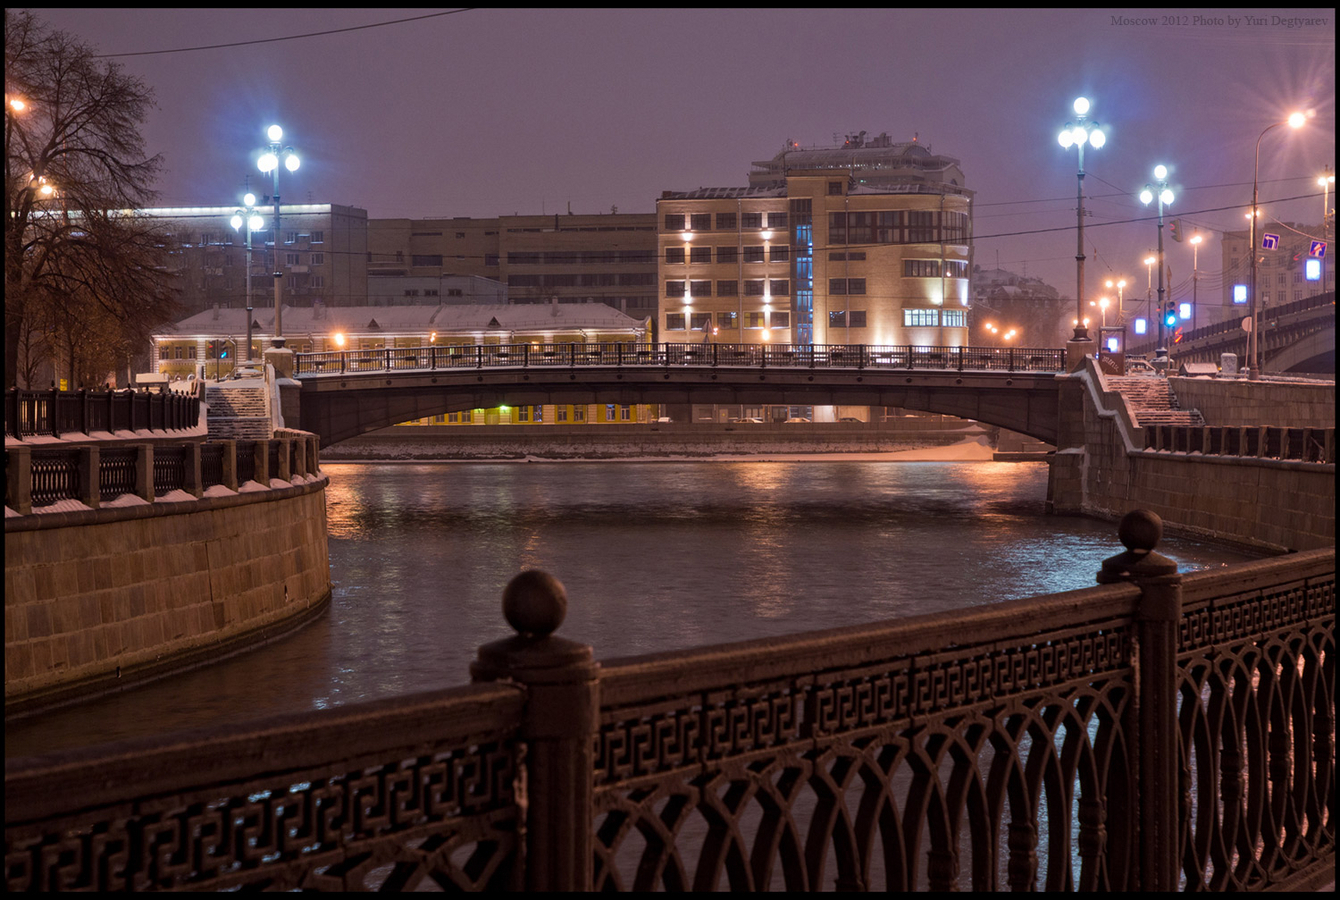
(495, 112)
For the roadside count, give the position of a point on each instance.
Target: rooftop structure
(879, 162)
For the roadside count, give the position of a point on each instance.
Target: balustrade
(55, 412)
(1311, 445)
(1155, 732)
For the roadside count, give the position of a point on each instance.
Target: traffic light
(1170, 315)
(1177, 230)
(223, 349)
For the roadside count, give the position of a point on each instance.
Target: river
(654, 555)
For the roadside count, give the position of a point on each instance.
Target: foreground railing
(54, 413)
(93, 475)
(1154, 732)
(808, 356)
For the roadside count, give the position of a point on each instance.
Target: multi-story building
(323, 253)
(865, 244)
(608, 258)
(407, 290)
(1282, 274)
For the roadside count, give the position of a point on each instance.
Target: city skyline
(485, 113)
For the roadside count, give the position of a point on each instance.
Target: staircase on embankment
(1151, 401)
(238, 413)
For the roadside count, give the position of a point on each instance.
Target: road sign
(1247, 324)
(1318, 249)
(1270, 241)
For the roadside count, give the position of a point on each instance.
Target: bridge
(1296, 337)
(347, 393)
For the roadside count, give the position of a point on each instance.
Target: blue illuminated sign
(1184, 310)
(1312, 270)
(1141, 326)
(1239, 293)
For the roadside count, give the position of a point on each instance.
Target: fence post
(144, 472)
(1158, 785)
(19, 479)
(194, 483)
(285, 466)
(90, 476)
(229, 461)
(559, 726)
(260, 453)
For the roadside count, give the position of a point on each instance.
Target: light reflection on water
(655, 556)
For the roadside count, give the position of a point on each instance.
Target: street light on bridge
(1295, 120)
(269, 163)
(250, 219)
(1079, 134)
(1165, 198)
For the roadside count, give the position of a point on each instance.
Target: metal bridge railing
(628, 354)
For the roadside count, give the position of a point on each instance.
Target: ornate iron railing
(1153, 732)
(767, 356)
(1268, 442)
(55, 412)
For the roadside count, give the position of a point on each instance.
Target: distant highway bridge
(348, 393)
(1295, 337)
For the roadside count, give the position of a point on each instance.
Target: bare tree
(75, 172)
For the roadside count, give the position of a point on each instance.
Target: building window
(318, 259)
(753, 254)
(490, 259)
(561, 414)
(751, 220)
(913, 318)
(725, 221)
(779, 287)
(674, 289)
(837, 318)
(753, 288)
(854, 255)
(317, 281)
(835, 189)
(700, 255)
(674, 254)
(781, 320)
(839, 287)
(728, 288)
(856, 318)
(777, 220)
(700, 321)
(292, 258)
(700, 221)
(523, 413)
(779, 253)
(921, 268)
(625, 413)
(426, 260)
(579, 413)
(753, 320)
(953, 318)
(674, 222)
(318, 237)
(725, 320)
(728, 254)
(290, 237)
(700, 288)
(674, 321)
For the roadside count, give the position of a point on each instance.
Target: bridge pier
(1065, 478)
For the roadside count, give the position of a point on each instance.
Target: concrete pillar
(229, 464)
(194, 485)
(90, 482)
(285, 472)
(560, 724)
(19, 479)
(1154, 659)
(261, 451)
(144, 472)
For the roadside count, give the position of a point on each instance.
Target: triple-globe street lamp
(252, 221)
(1078, 134)
(269, 163)
(1165, 198)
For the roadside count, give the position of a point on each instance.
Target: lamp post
(1195, 277)
(1325, 182)
(253, 222)
(1295, 120)
(1165, 198)
(1079, 134)
(1120, 285)
(269, 162)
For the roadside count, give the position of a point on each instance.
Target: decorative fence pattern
(54, 412)
(41, 476)
(1156, 731)
(1268, 442)
(804, 356)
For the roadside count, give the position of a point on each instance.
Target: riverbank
(670, 442)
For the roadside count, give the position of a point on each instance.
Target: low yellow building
(211, 344)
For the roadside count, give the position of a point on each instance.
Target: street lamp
(253, 222)
(1196, 240)
(1120, 285)
(269, 162)
(1295, 120)
(1325, 182)
(1079, 134)
(1165, 198)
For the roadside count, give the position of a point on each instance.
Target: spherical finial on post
(1140, 530)
(535, 603)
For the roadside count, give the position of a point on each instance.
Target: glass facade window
(728, 254)
(674, 255)
(728, 288)
(913, 318)
(700, 222)
(779, 287)
(725, 221)
(674, 222)
(700, 255)
(753, 288)
(751, 220)
(700, 321)
(674, 289)
(700, 288)
(837, 318)
(674, 321)
(726, 320)
(953, 318)
(753, 254)
(856, 318)
(780, 320)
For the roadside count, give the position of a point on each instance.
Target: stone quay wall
(1287, 404)
(96, 600)
(1103, 469)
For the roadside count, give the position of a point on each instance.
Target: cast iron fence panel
(169, 469)
(57, 412)
(211, 464)
(55, 474)
(246, 462)
(116, 472)
(1256, 659)
(272, 451)
(876, 758)
(423, 794)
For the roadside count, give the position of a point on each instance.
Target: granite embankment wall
(98, 599)
(658, 440)
(1103, 469)
(1292, 404)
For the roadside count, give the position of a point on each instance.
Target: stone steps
(238, 414)
(1151, 401)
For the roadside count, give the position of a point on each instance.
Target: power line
(291, 37)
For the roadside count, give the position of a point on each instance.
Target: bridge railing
(55, 413)
(1153, 732)
(93, 475)
(803, 356)
(1315, 445)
